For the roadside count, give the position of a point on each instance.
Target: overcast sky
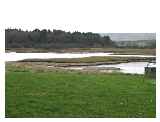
(98, 16)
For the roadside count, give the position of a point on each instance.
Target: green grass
(75, 94)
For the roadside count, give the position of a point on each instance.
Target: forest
(17, 38)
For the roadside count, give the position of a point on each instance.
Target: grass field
(75, 94)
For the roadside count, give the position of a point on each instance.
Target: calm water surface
(131, 67)
(21, 56)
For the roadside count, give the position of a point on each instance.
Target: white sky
(99, 16)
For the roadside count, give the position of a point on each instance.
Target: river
(131, 67)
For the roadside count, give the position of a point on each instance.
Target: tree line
(17, 38)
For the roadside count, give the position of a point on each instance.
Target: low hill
(138, 43)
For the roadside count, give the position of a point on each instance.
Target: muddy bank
(131, 68)
(48, 67)
(90, 61)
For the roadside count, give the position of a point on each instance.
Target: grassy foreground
(75, 94)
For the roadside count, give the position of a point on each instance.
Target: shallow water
(21, 56)
(131, 67)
